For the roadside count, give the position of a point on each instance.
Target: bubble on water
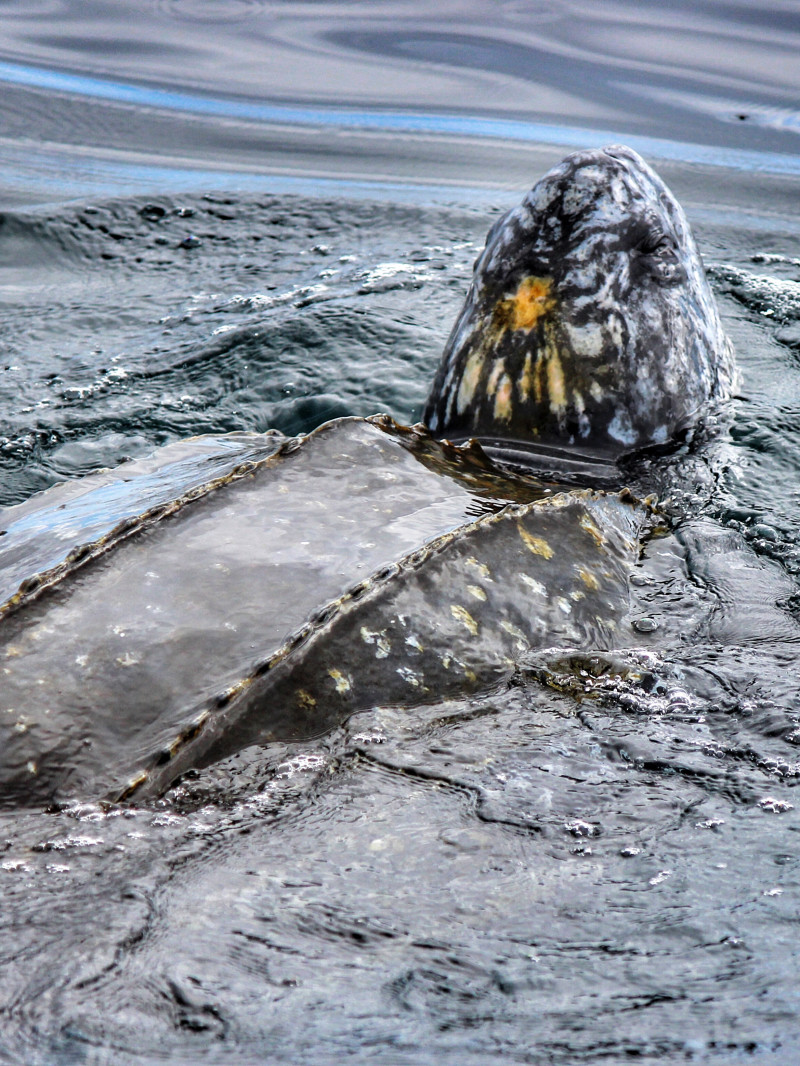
(307, 762)
(776, 806)
(774, 298)
(15, 866)
(67, 843)
(580, 828)
(152, 212)
(660, 877)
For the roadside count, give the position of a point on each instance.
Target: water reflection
(520, 874)
(640, 70)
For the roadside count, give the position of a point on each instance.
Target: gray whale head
(589, 323)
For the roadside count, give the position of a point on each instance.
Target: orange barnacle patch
(529, 303)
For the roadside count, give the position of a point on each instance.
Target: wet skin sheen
(589, 323)
(366, 563)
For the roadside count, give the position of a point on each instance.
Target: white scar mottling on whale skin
(586, 278)
(587, 339)
(584, 425)
(615, 330)
(583, 191)
(621, 428)
(606, 297)
(513, 221)
(619, 192)
(540, 198)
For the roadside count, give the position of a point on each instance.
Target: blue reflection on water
(89, 175)
(408, 122)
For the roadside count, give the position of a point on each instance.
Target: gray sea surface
(226, 216)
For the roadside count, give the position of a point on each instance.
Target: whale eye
(657, 253)
(656, 242)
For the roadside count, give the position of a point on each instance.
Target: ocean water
(226, 216)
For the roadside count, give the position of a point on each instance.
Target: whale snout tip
(589, 310)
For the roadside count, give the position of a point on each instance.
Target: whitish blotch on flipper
(589, 321)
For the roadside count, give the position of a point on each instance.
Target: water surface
(235, 216)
